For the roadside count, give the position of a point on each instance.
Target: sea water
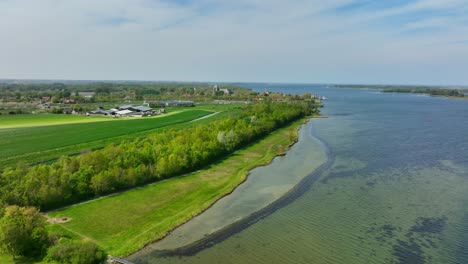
(395, 191)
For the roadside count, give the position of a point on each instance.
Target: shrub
(57, 111)
(22, 232)
(75, 252)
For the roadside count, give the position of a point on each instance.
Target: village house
(216, 89)
(87, 95)
(68, 101)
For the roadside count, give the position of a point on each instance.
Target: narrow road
(203, 117)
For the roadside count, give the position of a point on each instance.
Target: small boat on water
(323, 98)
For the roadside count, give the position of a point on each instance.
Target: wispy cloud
(300, 40)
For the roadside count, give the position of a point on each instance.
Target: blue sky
(334, 41)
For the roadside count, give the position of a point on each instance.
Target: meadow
(37, 143)
(126, 222)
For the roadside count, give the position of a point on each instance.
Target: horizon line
(47, 80)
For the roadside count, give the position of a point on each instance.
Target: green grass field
(41, 143)
(124, 223)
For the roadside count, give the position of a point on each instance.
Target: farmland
(30, 125)
(155, 173)
(148, 213)
(41, 142)
(30, 120)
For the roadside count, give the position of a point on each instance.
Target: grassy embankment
(37, 138)
(126, 222)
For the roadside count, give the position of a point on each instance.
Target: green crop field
(41, 143)
(124, 223)
(29, 120)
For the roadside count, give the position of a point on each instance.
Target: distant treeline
(430, 91)
(133, 163)
(110, 91)
(433, 90)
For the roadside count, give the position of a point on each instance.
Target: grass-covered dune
(126, 222)
(38, 143)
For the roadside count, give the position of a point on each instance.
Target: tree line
(430, 91)
(111, 91)
(132, 163)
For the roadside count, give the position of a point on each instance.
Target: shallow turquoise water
(396, 192)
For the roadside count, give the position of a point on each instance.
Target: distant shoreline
(434, 91)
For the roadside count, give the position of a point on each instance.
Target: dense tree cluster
(132, 163)
(23, 233)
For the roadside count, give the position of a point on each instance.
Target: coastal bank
(127, 222)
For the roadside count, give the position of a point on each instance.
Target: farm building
(138, 109)
(124, 112)
(125, 107)
(101, 112)
(142, 109)
(177, 103)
